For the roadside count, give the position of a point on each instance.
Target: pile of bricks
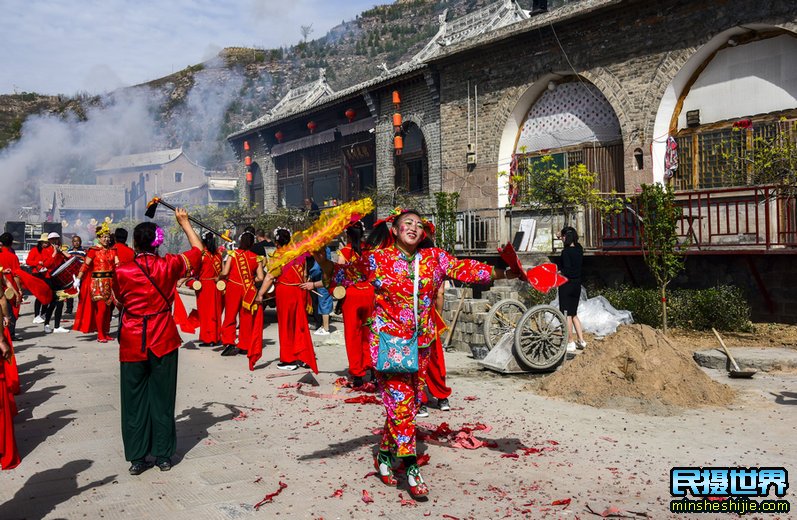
(468, 335)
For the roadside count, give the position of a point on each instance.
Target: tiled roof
(317, 94)
(140, 160)
(82, 196)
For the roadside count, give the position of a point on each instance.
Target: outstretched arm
(182, 218)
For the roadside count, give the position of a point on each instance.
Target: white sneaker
(321, 332)
(38, 319)
(61, 330)
(47, 329)
(571, 347)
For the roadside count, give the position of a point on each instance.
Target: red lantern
(396, 122)
(350, 114)
(279, 135)
(396, 97)
(311, 126)
(246, 145)
(248, 161)
(249, 176)
(398, 144)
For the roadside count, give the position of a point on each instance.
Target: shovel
(735, 372)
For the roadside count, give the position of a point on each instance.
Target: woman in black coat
(570, 292)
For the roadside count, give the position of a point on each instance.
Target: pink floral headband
(159, 236)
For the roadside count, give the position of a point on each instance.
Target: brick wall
(631, 53)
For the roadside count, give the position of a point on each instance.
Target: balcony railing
(724, 219)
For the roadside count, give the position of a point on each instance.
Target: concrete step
(762, 359)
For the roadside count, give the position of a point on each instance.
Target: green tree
(564, 188)
(445, 216)
(664, 257)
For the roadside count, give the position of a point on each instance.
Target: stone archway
(671, 106)
(566, 115)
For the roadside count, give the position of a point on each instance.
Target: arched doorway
(256, 193)
(570, 119)
(740, 85)
(412, 166)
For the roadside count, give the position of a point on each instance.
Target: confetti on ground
(337, 494)
(562, 502)
(363, 399)
(366, 497)
(270, 497)
(242, 416)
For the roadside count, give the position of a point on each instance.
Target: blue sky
(69, 46)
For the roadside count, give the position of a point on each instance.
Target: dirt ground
(764, 335)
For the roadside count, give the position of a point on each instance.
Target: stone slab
(761, 359)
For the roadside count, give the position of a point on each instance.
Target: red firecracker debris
(406, 502)
(366, 497)
(258, 479)
(363, 399)
(290, 385)
(450, 517)
(471, 398)
(562, 502)
(242, 416)
(423, 460)
(270, 497)
(608, 439)
(337, 494)
(510, 456)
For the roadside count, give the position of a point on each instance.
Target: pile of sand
(637, 364)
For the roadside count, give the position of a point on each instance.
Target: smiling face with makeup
(408, 232)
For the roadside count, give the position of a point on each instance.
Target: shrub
(723, 307)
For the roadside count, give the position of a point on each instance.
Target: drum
(194, 284)
(62, 278)
(9, 293)
(221, 285)
(339, 292)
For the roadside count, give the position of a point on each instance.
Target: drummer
(75, 251)
(56, 306)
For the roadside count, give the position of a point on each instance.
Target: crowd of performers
(389, 282)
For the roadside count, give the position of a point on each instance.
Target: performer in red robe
(123, 252)
(242, 270)
(149, 343)
(296, 345)
(208, 298)
(435, 376)
(9, 456)
(358, 306)
(42, 259)
(9, 263)
(96, 298)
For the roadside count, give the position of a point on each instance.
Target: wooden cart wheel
(502, 318)
(541, 338)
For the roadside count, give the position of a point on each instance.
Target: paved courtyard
(241, 434)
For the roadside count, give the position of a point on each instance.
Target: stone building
(639, 92)
(168, 173)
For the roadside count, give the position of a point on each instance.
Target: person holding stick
(406, 272)
(149, 343)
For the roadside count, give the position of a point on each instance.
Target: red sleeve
(33, 257)
(183, 264)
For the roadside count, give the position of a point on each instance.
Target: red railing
(726, 219)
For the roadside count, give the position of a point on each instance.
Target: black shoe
(356, 381)
(204, 344)
(138, 467)
(287, 366)
(230, 350)
(443, 405)
(242, 352)
(164, 465)
(422, 411)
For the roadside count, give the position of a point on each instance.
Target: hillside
(198, 106)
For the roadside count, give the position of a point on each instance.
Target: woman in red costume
(149, 343)
(43, 259)
(9, 262)
(296, 346)
(241, 270)
(208, 298)
(9, 456)
(358, 306)
(96, 298)
(435, 377)
(401, 259)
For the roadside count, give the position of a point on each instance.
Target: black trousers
(148, 390)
